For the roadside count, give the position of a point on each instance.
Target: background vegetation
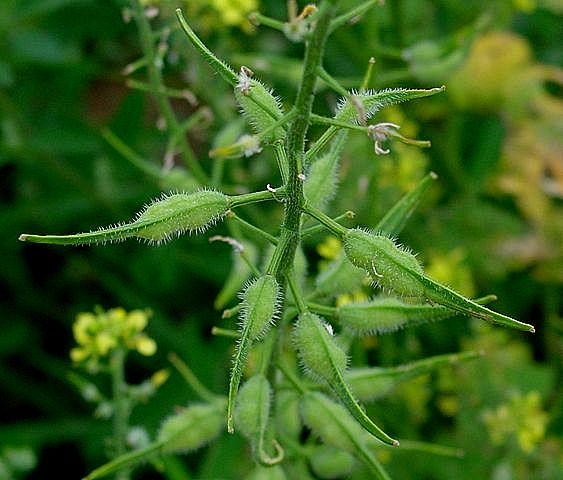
(493, 222)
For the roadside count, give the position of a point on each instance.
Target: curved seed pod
(169, 217)
(372, 101)
(260, 107)
(323, 359)
(375, 382)
(260, 306)
(329, 462)
(251, 415)
(398, 270)
(391, 267)
(337, 428)
(340, 276)
(188, 430)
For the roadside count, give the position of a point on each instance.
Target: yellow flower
(330, 248)
(98, 334)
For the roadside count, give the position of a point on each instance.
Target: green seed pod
(384, 315)
(397, 270)
(328, 462)
(374, 382)
(320, 355)
(393, 268)
(260, 305)
(191, 428)
(372, 101)
(251, 415)
(322, 358)
(260, 107)
(169, 217)
(287, 418)
(339, 277)
(321, 179)
(267, 473)
(253, 406)
(337, 428)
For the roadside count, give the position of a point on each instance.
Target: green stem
(224, 332)
(325, 310)
(158, 92)
(201, 390)
(336, 123)
(299, 301)
(121, 407)
(254, 197)
(319, 228)
(291, 377)
(323, 218)
(252, 228)
(283, 257)
(352, 14)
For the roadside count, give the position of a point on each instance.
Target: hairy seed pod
(261, 108)
(371, 101)
(329, 462)
(320, 355)
(175, 214)
(267, 473)
(287, 418)
(321, 179)
(162, 220)
(191, 428)
(253, 406)
(337, 428)
(393, 268)
(260, 306)
(384, 315)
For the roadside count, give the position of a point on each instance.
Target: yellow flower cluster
(215, 14)
(521, 417)
(98, 334)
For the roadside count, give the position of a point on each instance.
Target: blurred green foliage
(494, 223)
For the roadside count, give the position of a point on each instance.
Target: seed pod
(336, 428)
(169, 217)
(191, 428)
(374, 382)
(287, 418)
(261, 108)
(321, 179)
(372, 101)
(260, 305)
(393, 268)
(253, 406)
(323, 359)
(328, 462)
(384, 315)
(175, 214)
(267, 473)
(320, 356)
(398, 270)
(251, 416)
